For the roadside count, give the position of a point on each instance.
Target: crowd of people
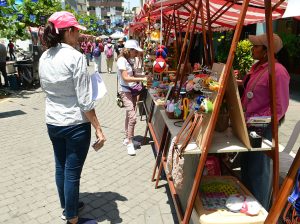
(94, 48)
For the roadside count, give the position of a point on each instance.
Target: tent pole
(211, 126)
(182, 52)
(272, 84)
(204, 33)
(175, 35)
(187, 54)
(211, 46)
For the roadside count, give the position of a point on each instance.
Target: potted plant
(243, 58)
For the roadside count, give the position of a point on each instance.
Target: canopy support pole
(211, 45)
(272, 84)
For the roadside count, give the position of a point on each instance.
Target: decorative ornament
(163, 47)
(206, 106)
(159, 65)
(160, 53)
(3, 3)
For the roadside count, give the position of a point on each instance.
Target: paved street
(115, 187)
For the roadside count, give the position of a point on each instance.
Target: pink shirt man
(259, 104)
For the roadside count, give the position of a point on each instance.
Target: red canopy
(224, 13)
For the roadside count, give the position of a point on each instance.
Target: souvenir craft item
(159, 65)
(235, 202)
(206, 106)
(250, 206)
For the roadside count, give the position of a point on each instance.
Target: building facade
(104, 9)
(82, 6)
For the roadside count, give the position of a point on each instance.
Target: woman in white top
(69, 108)
(127, 78)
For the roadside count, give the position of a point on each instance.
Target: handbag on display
(175, 158)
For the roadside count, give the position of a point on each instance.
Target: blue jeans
(71, 145)
(256, 172)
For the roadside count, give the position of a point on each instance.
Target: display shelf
(225, 142)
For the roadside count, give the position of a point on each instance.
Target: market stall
(217, 85)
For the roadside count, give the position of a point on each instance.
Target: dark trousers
(71, 145)
(12, 55)
(257, 173)
(3, 71)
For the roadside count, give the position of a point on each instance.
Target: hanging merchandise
(160, 53)
(156, 26)
(32, 18)
(155, 35)
(163, 47)
(159, 65)
(3, 3)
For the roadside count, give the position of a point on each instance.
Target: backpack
(96, 52)
(101, 47)
(109, 52)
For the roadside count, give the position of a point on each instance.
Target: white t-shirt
(122, 65)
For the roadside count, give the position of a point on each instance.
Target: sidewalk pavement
(115, 187)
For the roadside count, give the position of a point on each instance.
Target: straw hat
(263, 40)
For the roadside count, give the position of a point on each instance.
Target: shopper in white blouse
(127, 78)
(69, 108)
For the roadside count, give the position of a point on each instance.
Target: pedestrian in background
(109, 53)
(127, 78)
(69, 109)
(119, 46)
(3, 55)
(11, 50)
(256, 170)
(99, 48)
(86, 47)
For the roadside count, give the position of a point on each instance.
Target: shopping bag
(98, 86)
(175, 158)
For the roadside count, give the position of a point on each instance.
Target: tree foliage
(12, 28)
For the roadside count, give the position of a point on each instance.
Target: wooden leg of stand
(159, 173)
(163, 156)
(148, 121)
(160, 150)
(284, 192)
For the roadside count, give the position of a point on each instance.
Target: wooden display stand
(235, 139)
(237, 119)
(204, 141)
